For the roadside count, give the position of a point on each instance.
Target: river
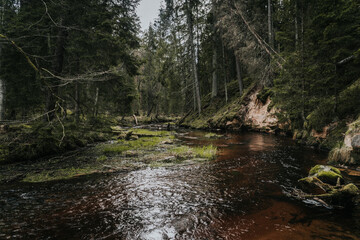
(243, 194)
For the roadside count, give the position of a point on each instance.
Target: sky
(148, 11)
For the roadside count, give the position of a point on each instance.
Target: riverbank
(256, 111)
(128, 149)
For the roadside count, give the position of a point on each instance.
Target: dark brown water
(243, 194)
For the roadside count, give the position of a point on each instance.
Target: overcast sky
(148, 11)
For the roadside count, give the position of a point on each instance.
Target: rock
(343, 197)
(355, 143)
(324, 185)
(4, 128)
(350, 189)
(326, 174)
(313, 185)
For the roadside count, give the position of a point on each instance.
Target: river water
(243, 194)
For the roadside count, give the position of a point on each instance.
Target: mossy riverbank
(127, 150)
(255, 111)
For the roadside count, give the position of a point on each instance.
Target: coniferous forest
(85, 91)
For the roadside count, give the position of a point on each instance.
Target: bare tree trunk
(194, 98)
(2, 82)
(2, 90)
(193, 55)
(135, 120)
(296, 26)
(96, 102)
(2, 93)
(238, 73)
(225, 71)
(270, 25)
(58, 63)
(302, 65)
(214, 92)
(77, 103)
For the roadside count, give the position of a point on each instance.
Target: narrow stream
(243, 194)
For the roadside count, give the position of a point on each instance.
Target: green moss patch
(60, 174)
(327, 174)
(213, 135)
(185, 152)
(139, 144)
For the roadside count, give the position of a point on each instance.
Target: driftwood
(135, 120)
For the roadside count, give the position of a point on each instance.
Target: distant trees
(87, 59)
(315, 38)
(83, 51)
(292, 46)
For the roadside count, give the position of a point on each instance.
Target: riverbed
(245, 193)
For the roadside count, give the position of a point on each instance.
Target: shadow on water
(240, 195)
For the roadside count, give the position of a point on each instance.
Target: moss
(102, 158)
(139, 144)
(149, 133)
(329, 177)
(336, 136)
(212, 135)
(208, 152)
(183, 152)
(350, 189)
(307, 180)
(327, 174)
(216, 111)
(60, 174)
(319, 168)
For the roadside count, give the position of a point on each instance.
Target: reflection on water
(241, 195)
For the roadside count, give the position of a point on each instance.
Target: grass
(102, 158)
(60, 174)
(139, 144)
(207, 152)
(149, 133)
(212, 135)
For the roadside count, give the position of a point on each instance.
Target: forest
(87, 59)
(83, 74)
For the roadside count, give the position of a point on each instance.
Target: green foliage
(91, 52)
(60, 174)
(184, 152)
(312, 86)
(140, 144)
(264, 94)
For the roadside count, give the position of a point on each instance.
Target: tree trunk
(2, 90)
(214, 75)
(77, 103)
(96, 102)
(238, 74)
(2, 82)
(214, 92)
(58, 63)
(193, 55)
(296, 26)
(302, 65)
(270, 25)
(2, 93)
(224, 71)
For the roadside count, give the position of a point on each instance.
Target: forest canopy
(85, 59)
